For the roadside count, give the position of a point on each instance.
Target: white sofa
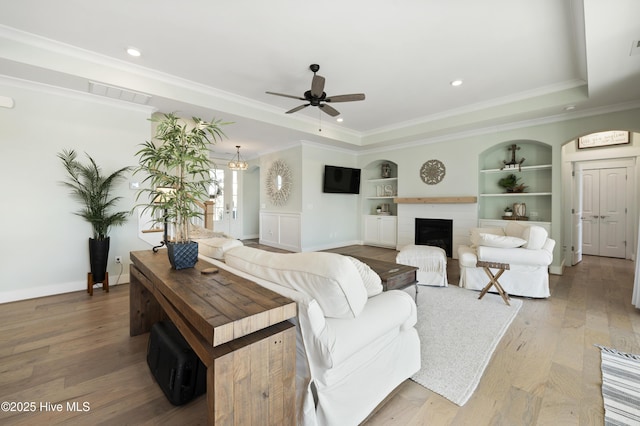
(355, 344)
(527, 249)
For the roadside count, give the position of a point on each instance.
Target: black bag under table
(174, 365)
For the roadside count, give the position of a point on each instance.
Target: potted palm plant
(178, 178)
(92, 189)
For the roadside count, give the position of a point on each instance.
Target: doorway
(604, 212)
(226, 195)
(601, 207)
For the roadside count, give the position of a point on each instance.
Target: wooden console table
(237, 328)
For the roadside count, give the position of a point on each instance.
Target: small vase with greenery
(178, 171)
(510, 183)
(93, 190)
(508, 211)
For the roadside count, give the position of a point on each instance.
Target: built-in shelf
(535, 173)
(380, 180)
(516, 194)
(523, 169)
(435, 200)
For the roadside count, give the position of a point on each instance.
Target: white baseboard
(557, 270)
(51, 290)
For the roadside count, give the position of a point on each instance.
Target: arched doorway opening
(599, 203)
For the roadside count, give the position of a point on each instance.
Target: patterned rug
(620, 387)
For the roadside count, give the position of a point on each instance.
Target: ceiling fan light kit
(317, 96)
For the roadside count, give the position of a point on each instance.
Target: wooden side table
(393, 276)
(493, 279)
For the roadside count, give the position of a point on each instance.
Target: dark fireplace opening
(435, 232)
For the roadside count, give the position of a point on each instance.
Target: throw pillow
(500, 241)
(475, 234)
(515, 229)
(371, 280)
(536, 237)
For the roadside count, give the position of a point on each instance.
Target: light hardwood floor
(76, 348)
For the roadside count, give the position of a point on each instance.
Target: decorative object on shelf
(508, 211)
(385, 171)
(513, 163)
(92, 189)
(520, 209)
(179, 160)
(236, 163)
(594, 140)
(378, 209)
(432, 172)
(511, 185)
(388, 190)
(279, 182)
(379, 191)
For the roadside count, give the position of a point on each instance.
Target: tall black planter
(98, 258)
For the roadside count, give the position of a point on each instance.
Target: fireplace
(435, 232)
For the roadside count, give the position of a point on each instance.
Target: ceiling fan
(317, 97)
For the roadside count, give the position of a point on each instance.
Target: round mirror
(279, 182)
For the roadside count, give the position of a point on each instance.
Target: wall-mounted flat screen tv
(341, 180)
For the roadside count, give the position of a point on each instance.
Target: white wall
(328, 220)
(45, 246)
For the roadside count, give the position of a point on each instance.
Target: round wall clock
(432, 172)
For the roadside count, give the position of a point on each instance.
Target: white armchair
(527, 250)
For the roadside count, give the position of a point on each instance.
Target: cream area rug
(458, 334)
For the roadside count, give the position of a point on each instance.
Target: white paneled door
(225, 194)
(604, 212)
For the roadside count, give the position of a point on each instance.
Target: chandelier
(236, 163)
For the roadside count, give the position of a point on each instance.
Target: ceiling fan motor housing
(314, 100)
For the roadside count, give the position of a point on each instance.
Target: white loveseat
(527, 250)
(355, 344)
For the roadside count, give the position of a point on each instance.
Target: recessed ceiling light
(569, 107)
(132, 51)
(456, 83)
(339, 119)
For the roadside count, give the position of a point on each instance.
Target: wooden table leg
(144, 309)
(493, 281)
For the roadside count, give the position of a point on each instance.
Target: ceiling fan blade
(346, 98)
(286, 96)
(317, 85)
(329, 110)
(298, 108)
